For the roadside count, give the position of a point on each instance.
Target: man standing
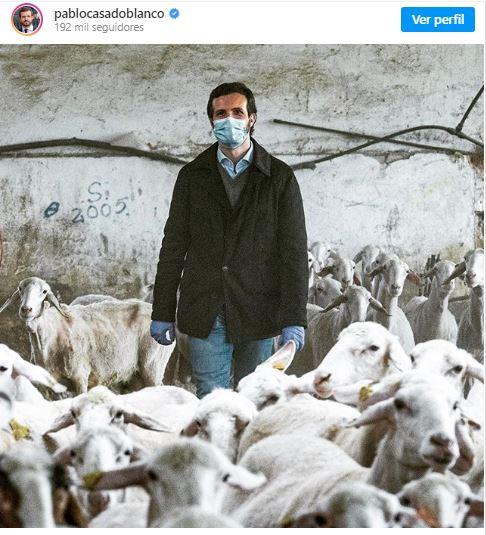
(27, 20)
(236, 230)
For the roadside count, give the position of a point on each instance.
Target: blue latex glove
(163, 332)
(295, 333)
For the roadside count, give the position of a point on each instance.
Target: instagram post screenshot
(242, 264)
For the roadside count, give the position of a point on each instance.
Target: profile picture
(27, 19)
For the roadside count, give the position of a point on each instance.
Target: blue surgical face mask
(230, 132)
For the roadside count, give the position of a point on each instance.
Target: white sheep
(471, 326)
(393, 274)
(321, 253)
(364, 353)
(340, 268)
(35, 493)
(188, 473)
(324, 327)
(367, 256)
(356, 505)
(430, 317)
(157, 414)
(220, 418)
(99, 449)
(326, 290)
(449, 361)
(12, 364)
(269, 384)
(423, 435)
(107, 342)
(441, 501)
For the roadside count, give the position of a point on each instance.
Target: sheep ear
(35, 374)
(397, 356)
(52, 299)
(374, 303)
(61, 422)
(241, 478)
(474, 368)
(138, 453)
(144, 421)
(133, 474)
(377, 271)
(62, 456)
(358, 257)
(459, 270)
(466, 449)
(413, 277)
(380, 411)
(477, 506)
(282, 358)
(327, 270)
(191, 430)
(10, 300)
(334, 304)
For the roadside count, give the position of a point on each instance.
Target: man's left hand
(295, 333)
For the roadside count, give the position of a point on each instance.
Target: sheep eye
(399, 404)
(72, 453)
(152, 475)
(320, 520)
(73, 414)
(374, 348)
(467, 501)
(405, 500)
(412, 359)
(273, 399)
(398, 517)
(3, 368)
(225, 478)
(457, 369)
(44, 291)
(455, 406)
(118, 414)
(127, 452)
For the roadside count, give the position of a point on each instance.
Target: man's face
(26, 18)
(232, 105)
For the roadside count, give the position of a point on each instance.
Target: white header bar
(226, 21)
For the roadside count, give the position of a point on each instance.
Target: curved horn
(374, 303)
(430, 273)
(328, 270)
(133, 474)
(55, 303)
(475, 369)
(358, 257)
(460, 269)
(334, 304)
(10, 300)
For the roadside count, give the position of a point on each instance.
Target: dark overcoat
(252, 258)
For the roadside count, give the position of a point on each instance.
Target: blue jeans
(212, 357)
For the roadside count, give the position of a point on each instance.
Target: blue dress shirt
(235, 169)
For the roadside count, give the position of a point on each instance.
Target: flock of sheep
(377, 422)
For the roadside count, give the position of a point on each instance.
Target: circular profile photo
(27, 19)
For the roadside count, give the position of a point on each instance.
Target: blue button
(438, 19)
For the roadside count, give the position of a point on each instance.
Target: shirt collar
(248, 156)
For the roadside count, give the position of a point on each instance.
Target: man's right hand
(163, 332)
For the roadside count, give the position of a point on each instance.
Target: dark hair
(233, 87)
(26, 8)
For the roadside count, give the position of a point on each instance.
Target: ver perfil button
(438, 19)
